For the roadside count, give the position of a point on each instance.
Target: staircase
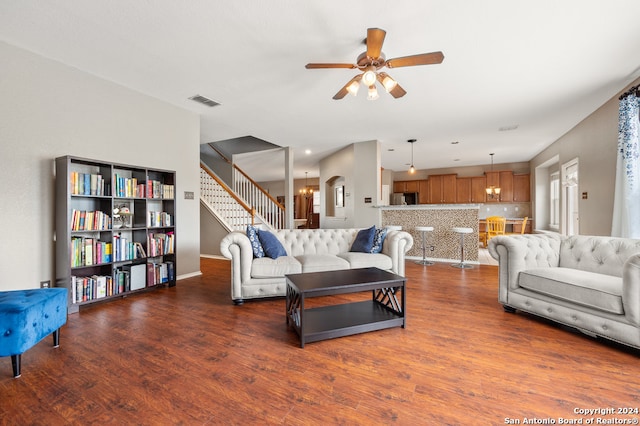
(247, 205)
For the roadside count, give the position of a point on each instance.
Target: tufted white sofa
(586, 282)
(308, 250)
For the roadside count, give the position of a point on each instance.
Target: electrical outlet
(45, 284)
(188, 195)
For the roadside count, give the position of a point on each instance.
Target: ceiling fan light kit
(373, 93)
(370, 63)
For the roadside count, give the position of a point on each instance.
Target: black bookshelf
(115, 229)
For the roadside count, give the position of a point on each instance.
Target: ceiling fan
(370, 63)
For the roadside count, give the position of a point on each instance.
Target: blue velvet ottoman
(28, 316)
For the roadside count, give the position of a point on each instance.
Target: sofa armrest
(237, 247)
(631, 289)
(516, 253)
(396, 245)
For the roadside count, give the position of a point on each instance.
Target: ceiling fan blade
(375, 38)
(317, 66)
(422, 59)
(397, 91)
(343, 92)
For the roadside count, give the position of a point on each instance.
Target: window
(554, 201)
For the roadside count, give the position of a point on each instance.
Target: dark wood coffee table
(386, 308)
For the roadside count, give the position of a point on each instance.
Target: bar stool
(462, 232)
(424, 230)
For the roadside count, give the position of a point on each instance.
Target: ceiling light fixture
(353, 87)
(373, 93)
(369, 76)
(412, 169)
(307, 190)
(389, 83)
(492, 190)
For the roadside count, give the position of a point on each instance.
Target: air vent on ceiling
(204, 100)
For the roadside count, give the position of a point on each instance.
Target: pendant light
(492, 190)
(412, 169)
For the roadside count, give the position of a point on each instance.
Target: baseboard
(190, 275)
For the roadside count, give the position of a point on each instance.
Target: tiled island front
(443, 218)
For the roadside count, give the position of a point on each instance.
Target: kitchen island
(443, 218)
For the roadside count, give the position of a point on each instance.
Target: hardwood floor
(186, 355)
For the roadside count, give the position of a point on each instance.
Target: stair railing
(266, 206)
(231, 209)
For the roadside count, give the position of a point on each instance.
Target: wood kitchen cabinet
(406, 186)
(463, 190)
(506, 186)
(478, 189)
(442, 189)
(521, 188)
(502, 180)
(423, 191)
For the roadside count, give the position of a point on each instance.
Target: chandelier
(492, 190)
(307, 190)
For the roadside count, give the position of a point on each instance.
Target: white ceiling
(543, 66)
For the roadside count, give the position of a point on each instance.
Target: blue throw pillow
(271, 245)
(364, 240)
(252, 233)
(378, 239)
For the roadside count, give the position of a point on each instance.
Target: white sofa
(308, 250)
(587, 282)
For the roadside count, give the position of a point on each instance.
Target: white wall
(361, 179)
(47, 110)
(594, 141)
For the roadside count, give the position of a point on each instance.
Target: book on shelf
(125, 249)
(127, 187)
(92, 287)
(87, 251)
(157, 189)
(160, 273)
(137, 278)
(160, 243)
(83, 220)
(159, 219)
(88, 184)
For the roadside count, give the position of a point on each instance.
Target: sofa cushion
(364, 240)
(598, 291)
(266, 267)
(252, 233)
(271, 245)
(378, 239)
(321, 262)
(366, 260)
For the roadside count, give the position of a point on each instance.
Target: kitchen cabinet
(463, 190)
(442, 189)
(406, 186)
(423, 191)
(478, 189)
(521, 188)
(506, 186)
(502, 180)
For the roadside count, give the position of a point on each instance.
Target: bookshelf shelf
(105, 244)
